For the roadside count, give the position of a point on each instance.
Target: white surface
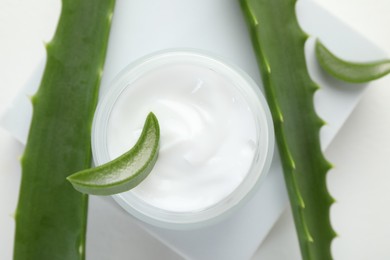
(361, 149)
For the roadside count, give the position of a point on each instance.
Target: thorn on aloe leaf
(48, 45)
(315, 87)
(109, 17)
(100, 73)
(332, 200)
(321, 122)
(306, 231)
(329, 165)
(21, 158)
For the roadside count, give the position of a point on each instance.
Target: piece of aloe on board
(279, 45)
(51, 216)
(353, 72)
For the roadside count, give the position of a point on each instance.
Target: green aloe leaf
(126, 171)
(279, 42)
(51, 216)
(350, 71)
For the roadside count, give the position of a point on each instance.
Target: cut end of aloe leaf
(126, 171)
(350, 71)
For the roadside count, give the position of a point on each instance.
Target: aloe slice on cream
(126, 171)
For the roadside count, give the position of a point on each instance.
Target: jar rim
(264, 130)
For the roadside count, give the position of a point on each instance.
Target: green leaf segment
(279, 45)
(350, 71)
(51, 215)
(126, 171)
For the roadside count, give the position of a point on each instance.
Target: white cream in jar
(215, 135)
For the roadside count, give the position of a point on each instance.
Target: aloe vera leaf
(51, 216)
(126, 171)
(350, 71)
(279, 45)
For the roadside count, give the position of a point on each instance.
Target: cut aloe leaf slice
(126, 171)
(350, 71)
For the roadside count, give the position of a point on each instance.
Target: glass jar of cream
(216, 140)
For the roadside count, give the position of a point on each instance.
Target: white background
(360, 181)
